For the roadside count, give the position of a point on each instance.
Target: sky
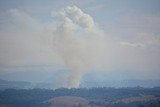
(44, 40)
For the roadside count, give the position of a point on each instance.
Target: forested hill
(99, 96)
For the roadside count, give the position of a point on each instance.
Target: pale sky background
(131, 29)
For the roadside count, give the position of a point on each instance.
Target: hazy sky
(33, 45)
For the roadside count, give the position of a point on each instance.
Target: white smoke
(79, 42)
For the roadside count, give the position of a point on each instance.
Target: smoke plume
(78, 42)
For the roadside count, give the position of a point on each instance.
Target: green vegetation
(96, 97)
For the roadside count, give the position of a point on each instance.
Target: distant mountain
(122, 83)
(30, 76)
(4, 84)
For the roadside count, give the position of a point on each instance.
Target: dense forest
(96, 97)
